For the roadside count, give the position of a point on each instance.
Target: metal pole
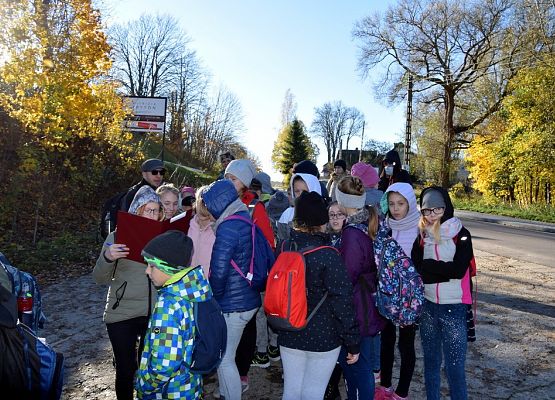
(361, 141)
(409, 125)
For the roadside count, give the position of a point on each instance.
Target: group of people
(149, 309)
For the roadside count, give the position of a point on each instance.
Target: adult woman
(309, 355)
(238, 300)
(169, 196)
(130, 296)
(358, 254)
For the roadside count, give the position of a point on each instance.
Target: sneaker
(260, 360)
(273, 353)
(244, 384)
(216, 393)
(383, 393)
(395, 396)
(377, 378)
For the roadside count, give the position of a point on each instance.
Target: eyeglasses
(152, 211)
(437, 210)
(158, 171)
(337, 216)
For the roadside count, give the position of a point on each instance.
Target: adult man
(153, 172)
(225, 158)
(339, 171)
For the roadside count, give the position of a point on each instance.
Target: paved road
(517, 243)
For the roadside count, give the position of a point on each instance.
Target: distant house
(368, 156)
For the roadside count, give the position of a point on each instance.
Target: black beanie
(173, 247)
(307, 167)
(310, 210)
(340, 163)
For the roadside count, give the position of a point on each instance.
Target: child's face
(398, 206)
(157, 277)
(236, 182)
(336, 218)
(299, 186)
(169, 203)
(434, 215)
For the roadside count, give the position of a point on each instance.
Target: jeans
(443, 331)
(228, 375)
(247, 346)
(123, 337)
(306, 373)
(406, 350)
(359, 377)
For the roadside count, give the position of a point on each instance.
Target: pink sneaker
(383, 393)
(395, 396)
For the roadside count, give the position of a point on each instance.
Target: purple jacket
(358, 254)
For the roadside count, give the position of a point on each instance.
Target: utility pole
(361, 141)
(408, 126)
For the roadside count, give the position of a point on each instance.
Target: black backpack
(29, 368)
(210, 337)
(109, 215)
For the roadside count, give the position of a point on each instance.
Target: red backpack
(285, 301)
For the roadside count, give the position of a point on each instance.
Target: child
(164, 372)
(442, 256)
(202, 234)
(402, 217)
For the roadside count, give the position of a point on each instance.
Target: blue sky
(259, 49)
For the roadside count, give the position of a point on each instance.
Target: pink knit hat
(187, 191)
(367, 174)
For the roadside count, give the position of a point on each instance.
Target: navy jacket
(233, 242)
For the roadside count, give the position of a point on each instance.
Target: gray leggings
(306, 373)
(263, 331)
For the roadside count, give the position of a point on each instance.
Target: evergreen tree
(293, 145)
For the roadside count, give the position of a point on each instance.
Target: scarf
(359, 220)
(448, 230)
(409, 222)
(236, 206)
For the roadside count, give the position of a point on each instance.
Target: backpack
(210, 340)
(109, 214)
(29, 368)
(262, 257)
(23, 284)
(285, 302)
(400, 294)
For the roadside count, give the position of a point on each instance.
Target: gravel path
(513, 357)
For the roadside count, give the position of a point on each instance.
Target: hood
(311, 181)
(278, 203)
(393, 157)
(144, 195)
(405, 190)
(218, 196)
(8, 308)
(189, 284)
(449, 209)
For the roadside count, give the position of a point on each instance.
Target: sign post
(148, 114)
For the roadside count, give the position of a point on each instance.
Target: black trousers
(406, 350)
(246, 348)
(123, 337)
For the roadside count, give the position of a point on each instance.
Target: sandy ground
(513, 357)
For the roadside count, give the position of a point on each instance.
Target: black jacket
(399, 175)
(128, 199)
(334, 324)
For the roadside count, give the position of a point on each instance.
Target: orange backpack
(285, 301)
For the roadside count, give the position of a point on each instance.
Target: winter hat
(310, 210)
(350, 200)
(278, 203)
(366, 173)
(340, 163)
(242, 169)
(306, 167)
(187, 191)
(432, 199)
(266, 182)
(151, 164)
(144, 195)
(170, 252)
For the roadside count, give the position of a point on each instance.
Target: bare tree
(148, 54)
(450, 47)
(334, 122)
(288, 109)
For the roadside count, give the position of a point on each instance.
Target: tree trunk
(449, 131)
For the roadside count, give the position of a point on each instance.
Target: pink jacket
(203, 240)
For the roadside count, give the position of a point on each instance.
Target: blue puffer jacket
(233, 242)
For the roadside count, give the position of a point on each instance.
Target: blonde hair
(167, 187)
(423, 224)
(200, 205)
(373, 222)
(351, 185)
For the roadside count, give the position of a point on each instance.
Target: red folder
(135, 231)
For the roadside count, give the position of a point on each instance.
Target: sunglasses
(437, 210)
(158, 171)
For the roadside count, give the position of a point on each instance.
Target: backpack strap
(250, 274)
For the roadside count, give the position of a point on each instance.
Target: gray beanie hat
(432, 199)
(144, 195)
(242, 169)
(266, 182)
